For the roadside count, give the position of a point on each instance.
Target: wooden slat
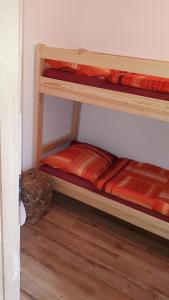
(57, 143)
(76, 120)
(114, 208)
(134, 104)
(25, 296)
(131, 64)
(39, 104)
(39, 129)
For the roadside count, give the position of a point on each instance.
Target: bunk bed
(82, 90)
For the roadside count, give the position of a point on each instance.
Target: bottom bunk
(155, 220)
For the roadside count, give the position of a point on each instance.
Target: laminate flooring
(79, 253)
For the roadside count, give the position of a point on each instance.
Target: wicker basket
(36, 194)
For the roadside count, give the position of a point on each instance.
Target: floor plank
(76, 252)
(25, 296)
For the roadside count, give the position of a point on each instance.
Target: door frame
(10, 154)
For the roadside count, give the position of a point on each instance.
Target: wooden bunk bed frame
(137, 105)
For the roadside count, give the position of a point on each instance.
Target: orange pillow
(93, 71)
(116, 76)
(83, 160)
(61, 65)
(142, 81)
(80, 69)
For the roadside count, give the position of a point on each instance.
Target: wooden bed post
(39, 103)
(75, 120)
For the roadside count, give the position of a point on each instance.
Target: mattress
(101, 83)
(89, 186)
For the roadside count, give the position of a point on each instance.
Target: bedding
(71, 178)
(90, 71)
(142, 81)
(83, 160)
(140, 183)
(61, 65)
(146, 82)
(103, 84)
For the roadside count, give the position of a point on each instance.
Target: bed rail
(125, 63)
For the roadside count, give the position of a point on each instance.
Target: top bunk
(94, 91)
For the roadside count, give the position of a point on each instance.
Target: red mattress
(101, 83)
(89, 186)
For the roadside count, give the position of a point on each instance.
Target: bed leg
(75, 120)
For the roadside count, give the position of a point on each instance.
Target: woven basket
(36, 194)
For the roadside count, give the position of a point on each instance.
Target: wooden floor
(78, 253)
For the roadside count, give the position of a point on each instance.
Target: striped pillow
(61, 65)
(90, 71)
(139, 183)
(84, 160)
(146, 82)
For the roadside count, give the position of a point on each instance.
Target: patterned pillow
(93, 71)
(83, 160)
(146, 82)
(139, 183)
(80, 69)
(61, 65)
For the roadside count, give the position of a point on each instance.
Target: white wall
(127, 27)
(134, 28)
(56, 23)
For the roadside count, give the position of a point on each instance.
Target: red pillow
(111, 157)
(83, 160)
(142, 81)
(61, 65)
(80, 69)
(94, 71)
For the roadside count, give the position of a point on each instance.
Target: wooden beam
(57, 143)
(125, 63)
(39, 128)
(39, 105)
(134, 104)
(75, 120)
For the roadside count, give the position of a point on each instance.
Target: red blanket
(140, 183)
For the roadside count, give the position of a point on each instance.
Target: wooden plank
(75, 120)
(57, 143)
(76, 216)
(10, 120)
(39, 129)
(114, 208)
(126, 63)
(25, 296)
(134, 104)
(39, 105)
